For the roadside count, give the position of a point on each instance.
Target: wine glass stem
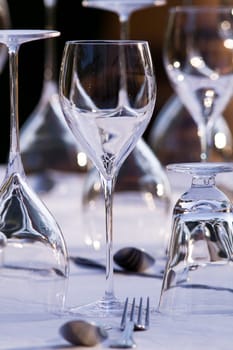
(50, 46)
(205, 137)
(124, 27)
(108, 186)
(14, 163)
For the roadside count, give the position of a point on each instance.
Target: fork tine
(140, 312)
(147, 317)
(132, 310)
(123, 319)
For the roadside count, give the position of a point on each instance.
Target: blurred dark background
(74, 22)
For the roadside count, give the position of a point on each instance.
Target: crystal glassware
(47, 145)
(107, 92)
(142, 183)
(173, 136)
(34, 263)
(124, 9)
(142, 202)
(5, 22)
(198, 61)
(197, 279)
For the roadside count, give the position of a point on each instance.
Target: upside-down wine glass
(173, 133)
(197, 279)
(107, 92)
(5, 22)
(34, 263)
(198, 55)
(124, 10)
(47, 149)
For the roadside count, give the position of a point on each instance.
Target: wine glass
(107, 93)
(198, 279)
(198, 60)
(143, 188)
(142, 185)
(124, 9)
(4, 23)
(34, 267)
(173, 136)
(46, 145)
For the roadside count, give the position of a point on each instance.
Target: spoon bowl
(80, 332)
(133, 259)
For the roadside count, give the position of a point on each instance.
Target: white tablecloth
(85, 285)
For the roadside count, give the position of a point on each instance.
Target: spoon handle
(90, 263)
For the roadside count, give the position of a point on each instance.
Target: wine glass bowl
(197, 276)
(198, 61)
(107, 92)
(34, 262)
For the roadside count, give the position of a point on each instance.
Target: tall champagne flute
(198, 59)
(107, 92)
(34, 260)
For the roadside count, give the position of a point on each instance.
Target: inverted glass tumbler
(198, 276)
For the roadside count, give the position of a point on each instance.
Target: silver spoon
(133, 259)
(126, 265)
(80, 332)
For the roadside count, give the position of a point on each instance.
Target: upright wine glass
(198, 279)
(107, 93)
(34, 264)
(142, 184)
(124, 9)
(198, 60)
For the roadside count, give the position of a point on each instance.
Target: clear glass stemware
(34, 263)
(197, 278)
(198, 61)
(142, 183)
(5, 23)
(107, 93)
(46, 144)
(124, 9)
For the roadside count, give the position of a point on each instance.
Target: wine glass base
(99, 309)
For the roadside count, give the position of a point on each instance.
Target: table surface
(86, 285)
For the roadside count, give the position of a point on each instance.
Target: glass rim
(201, 8)
(152, 2)
(108, 41)
(200, 168)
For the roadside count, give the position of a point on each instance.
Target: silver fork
(139, 325)
(128, 326)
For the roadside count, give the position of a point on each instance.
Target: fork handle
(127, 335)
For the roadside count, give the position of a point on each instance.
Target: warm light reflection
(160, 190)
(97, 186)
(197, 62)
(220, 140)
(82, 159)
(228, 44)
(225, 25)
(176, 64)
